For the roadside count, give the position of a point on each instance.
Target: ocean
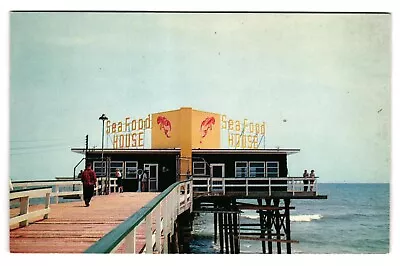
(353, 220)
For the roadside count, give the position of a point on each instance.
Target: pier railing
(246, 186)
(156, 220)
(66, 188)
(23, 198)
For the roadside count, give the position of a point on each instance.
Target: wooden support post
(277, 227)
(232, 247)
(221, 232)
(24, 209)
(56, 192)
(47, 205)
(287, 232)
(269, 225)
(215, 228)
(262, 225)
(225, 225)
(235, 230)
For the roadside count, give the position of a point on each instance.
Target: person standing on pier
(145, 180)
(119, 181)
(89, 180)
(312, 178)
(305, 180)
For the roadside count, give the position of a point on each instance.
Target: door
(152, 172)
(217, 170)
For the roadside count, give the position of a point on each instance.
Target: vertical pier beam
(287, 217)
(269, 225)
(232, 246)
(225, 225)
(262, 225)
(235, 227)
(236, 234)
(221, 233)
(215, 227)
(277, 226)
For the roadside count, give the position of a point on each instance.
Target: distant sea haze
(353, 220)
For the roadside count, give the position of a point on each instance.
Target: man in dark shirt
(89, 180)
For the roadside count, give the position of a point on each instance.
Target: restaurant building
(186, 143)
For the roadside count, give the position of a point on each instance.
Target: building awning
(245, 151)
(194, 151)
(128, 151)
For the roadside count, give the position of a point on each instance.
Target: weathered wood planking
(72, 228)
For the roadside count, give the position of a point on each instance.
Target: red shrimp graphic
(206, 125)
(165, 125)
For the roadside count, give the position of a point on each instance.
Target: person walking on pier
(312, 178)
(89, 180)
(119, 181)
(305, 180)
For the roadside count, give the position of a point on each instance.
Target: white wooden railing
(101, 183)
(23, 198)
(70, 187)
(222, 185)
(155, 220)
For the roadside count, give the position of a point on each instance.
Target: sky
(327, 75)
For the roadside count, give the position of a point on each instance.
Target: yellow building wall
(206, 130)
(166, 130)
(186, 142)
(186, 129)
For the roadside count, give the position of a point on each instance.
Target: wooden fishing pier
(132, 221)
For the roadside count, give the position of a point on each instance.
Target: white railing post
(208, 184)
(24, 209)
(223, 186)
(47, 205)
(178, 201)
(149, 234)
(293, 186)
(269, 186)
(171, 212)
(191, 196)
(130, 241)
(57, 191)
(81, 185)
(186, 196)
(165, 216)
(158, 228)
(247, 186)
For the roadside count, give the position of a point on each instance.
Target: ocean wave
(305, 218)
(251, 216)
(293, 218)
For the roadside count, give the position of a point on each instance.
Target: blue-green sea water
(354, 219)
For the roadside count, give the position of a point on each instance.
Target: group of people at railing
(308, 180)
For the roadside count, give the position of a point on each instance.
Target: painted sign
(128, 133)
(246, 134)
(165, 125)
(205, 126)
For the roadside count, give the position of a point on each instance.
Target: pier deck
(72, 228)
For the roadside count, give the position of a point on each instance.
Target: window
(272, 169)
(241, 169)
(98, 169)
(199, 168)
(131, 169)
(257, 169)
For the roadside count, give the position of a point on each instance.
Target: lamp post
(103, 117)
